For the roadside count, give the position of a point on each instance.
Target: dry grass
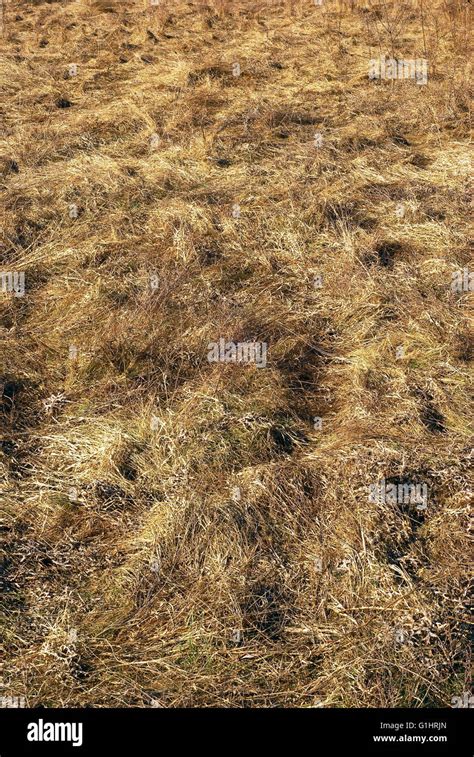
(130, 589)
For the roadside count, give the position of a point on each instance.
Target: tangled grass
(183, 533)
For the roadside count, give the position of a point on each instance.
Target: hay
(183, 532)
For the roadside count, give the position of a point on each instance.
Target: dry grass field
(182, 532)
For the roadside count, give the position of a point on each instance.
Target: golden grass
(155, 504)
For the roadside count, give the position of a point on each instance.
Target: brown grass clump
(180, 532)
